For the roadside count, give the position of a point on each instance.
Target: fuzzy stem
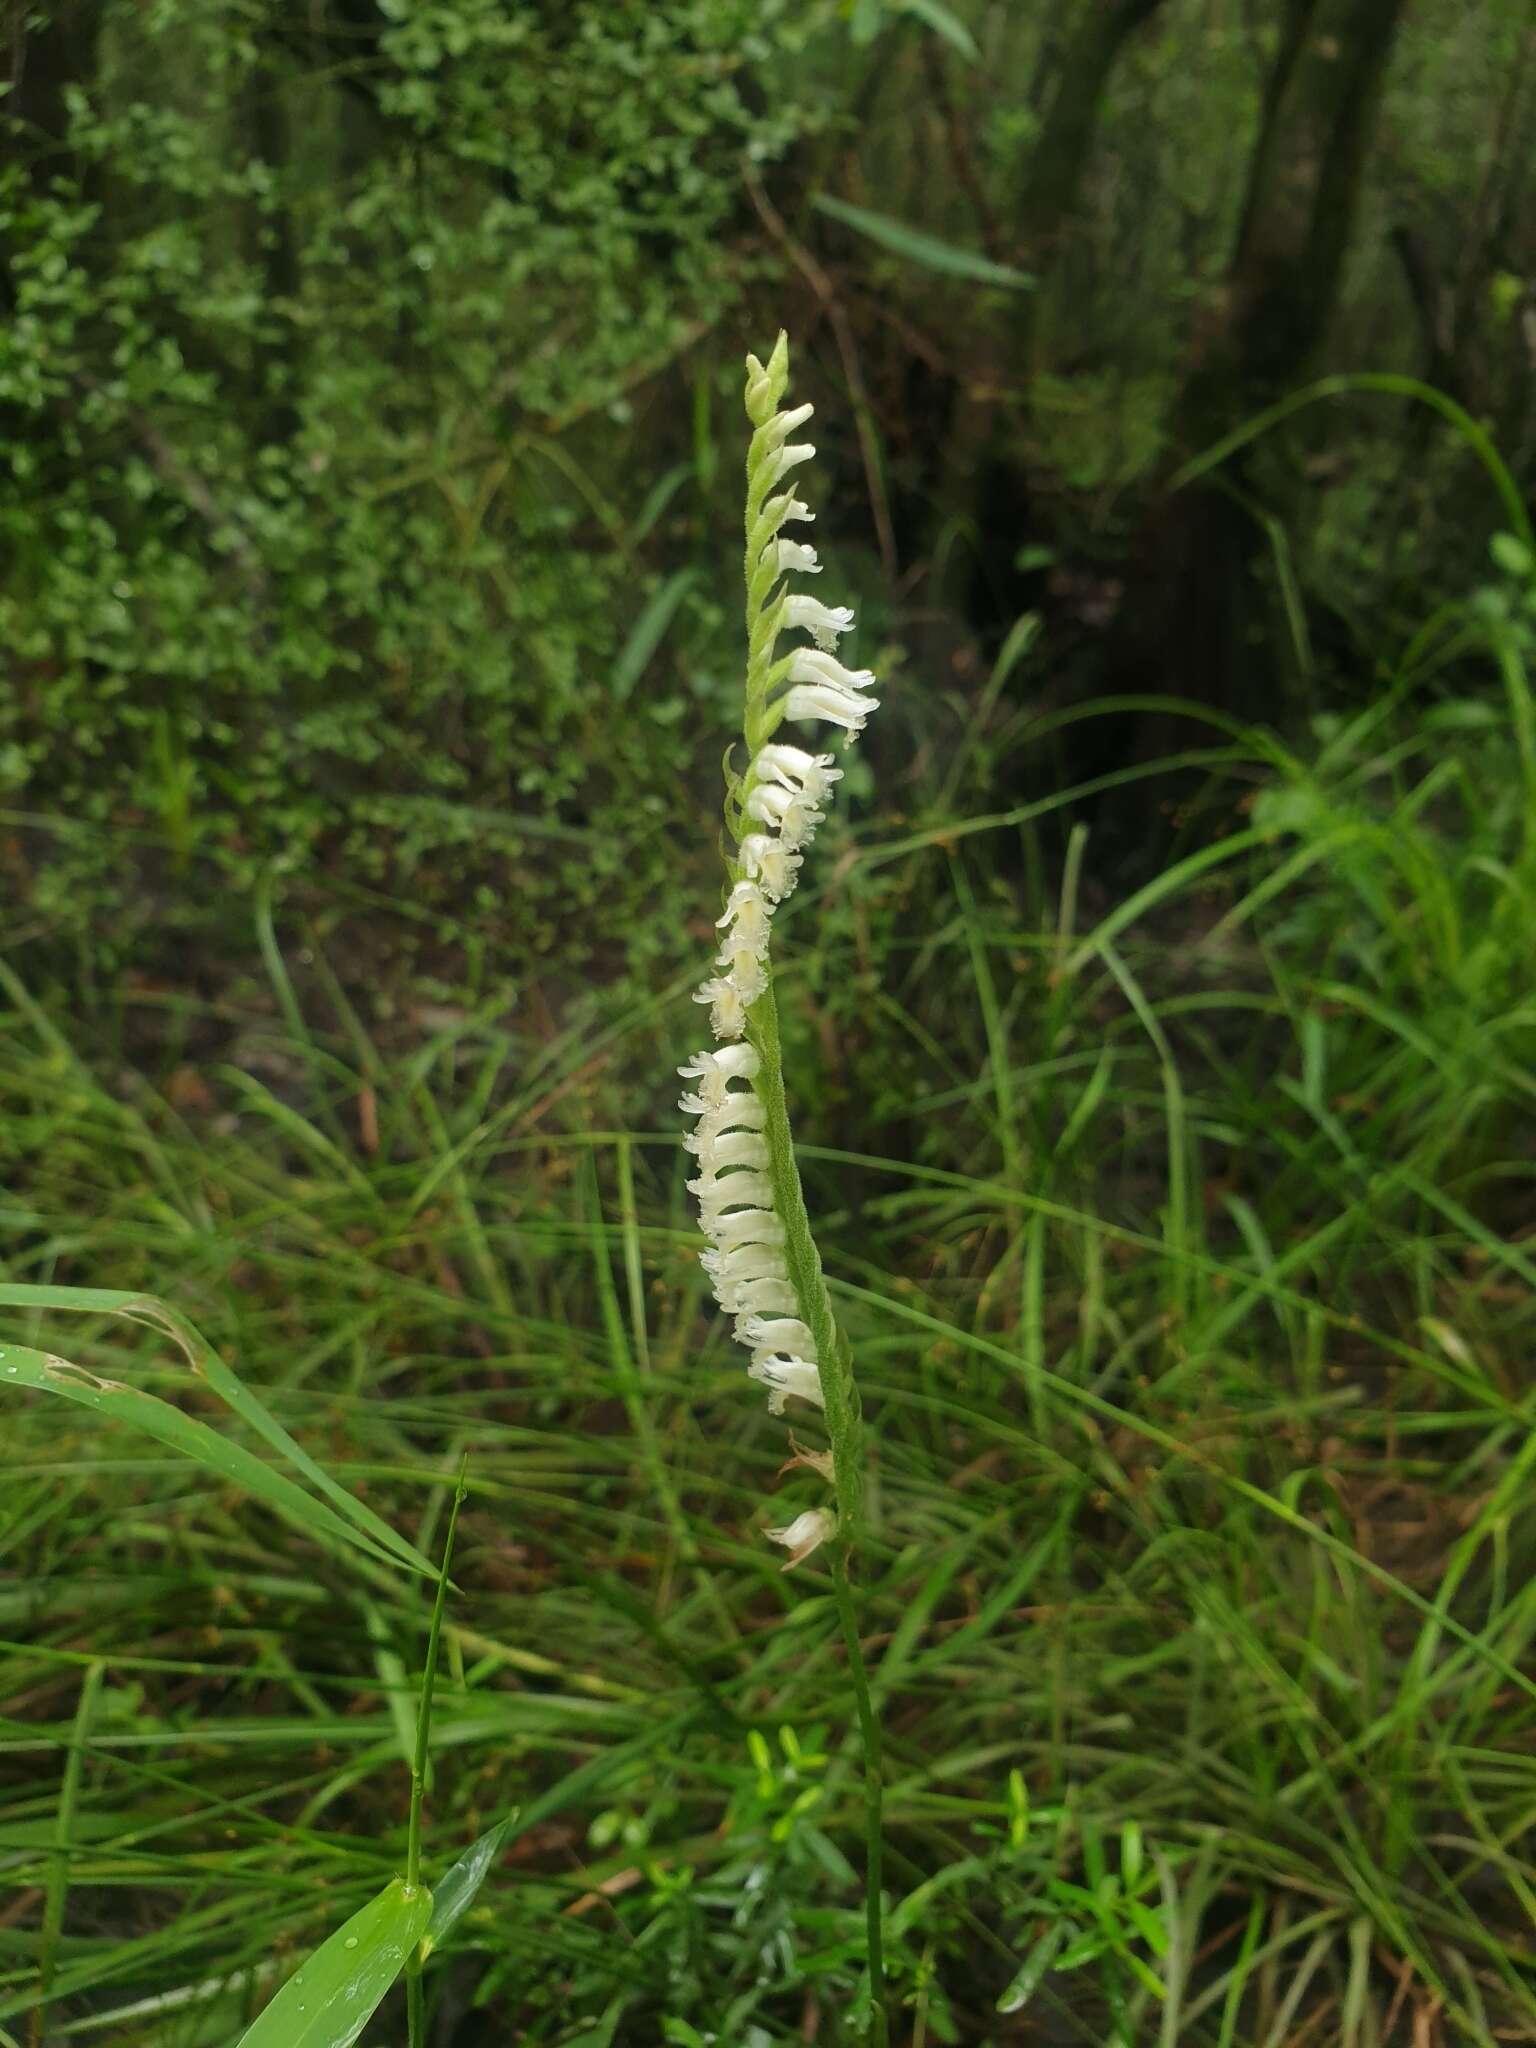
(834, 1360)
(874, 1794)
(845, 1422)
(845, 1427)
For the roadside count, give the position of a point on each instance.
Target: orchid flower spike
(762, 1267)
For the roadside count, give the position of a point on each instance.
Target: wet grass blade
(456, 1893)
(328, 2002)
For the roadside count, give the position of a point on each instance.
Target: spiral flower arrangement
(761, 1258)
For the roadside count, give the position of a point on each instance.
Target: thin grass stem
(874, 1795)
(415, 2001)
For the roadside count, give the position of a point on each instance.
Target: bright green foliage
(331, 1998)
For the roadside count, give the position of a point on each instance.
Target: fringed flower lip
(774, 811)
(805, 1533)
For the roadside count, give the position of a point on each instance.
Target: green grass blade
(230, 1462)
(946, 257)
(1389, 384)
(647, 633)
(206, 1364)
(328, 2002)
(57, 1893)
(455, 1894)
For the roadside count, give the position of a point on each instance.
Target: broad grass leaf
(231, 1462)
(330, 1999)
(204, 1362)
(926, 249)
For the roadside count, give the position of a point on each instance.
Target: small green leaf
(330, 1999)
(455, 1893)
(1512, 555)
(657, 499)
(1086, 1949)
(1149, 1925)
(945, 24)
(926, 249)
(1031, 1972)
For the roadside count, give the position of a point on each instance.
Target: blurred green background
(1157, 1007)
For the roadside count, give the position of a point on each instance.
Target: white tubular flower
(784, 459)
(715, 1068)
(794, 815)
(796, 556)
(776, 431)
(740, 1111)
(746, 970)
(718, 1192)
(728, 1268)
(797, 769)
(768, 1334)
(729, 1228)
(764, 1297)
(747, 916)
(738, 1108)
(837, 707)
(804, 1534)
(823, 621)
(727, 1012)
(815, 665)
(718, 1149)
(785, 1376)
(729, 995)
(770, 865)
(823, 688)
(779, 512)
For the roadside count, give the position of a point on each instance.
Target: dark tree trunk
(1298, 211)
(274, 248)
(1053, 174)
(1197, 619)
(980, 476)
(41, 59)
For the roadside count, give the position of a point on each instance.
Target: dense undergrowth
(1184, 1234)
(1169, 1126)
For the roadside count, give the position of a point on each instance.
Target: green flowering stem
(874, 1791)
(845, 1427)
(845, 1422)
